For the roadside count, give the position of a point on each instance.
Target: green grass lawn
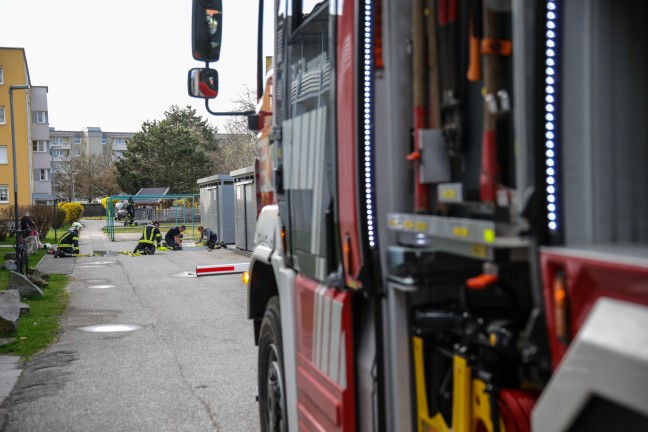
(40, 326)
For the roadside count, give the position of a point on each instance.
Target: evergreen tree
(170, 152)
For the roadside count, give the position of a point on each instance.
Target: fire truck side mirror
(202, 83)
(255, 122)
(206, 29)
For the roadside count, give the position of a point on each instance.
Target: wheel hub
(274, 391)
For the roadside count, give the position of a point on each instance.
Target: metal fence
(154, 207)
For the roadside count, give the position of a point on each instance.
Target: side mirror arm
(229, 113)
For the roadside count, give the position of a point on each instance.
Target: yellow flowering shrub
(73, 211)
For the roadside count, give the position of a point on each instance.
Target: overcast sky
(115, 64)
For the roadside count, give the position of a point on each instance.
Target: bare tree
(82, 177)
(108, 181)
(64, 179)
(237, 147)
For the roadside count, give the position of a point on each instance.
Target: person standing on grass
(30, 233)
(173, 237)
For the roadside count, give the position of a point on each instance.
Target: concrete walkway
(92, 240)
(188, 363)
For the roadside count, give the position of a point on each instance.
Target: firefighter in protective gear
(211, 238)
(150, 236)
(130, 212)
(68, 244)
(173, 238)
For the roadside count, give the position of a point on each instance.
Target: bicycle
(22, 253)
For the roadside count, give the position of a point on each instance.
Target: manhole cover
(97, 263)
(110, 328)
(185, 274)
(95, 281)
(101, 286)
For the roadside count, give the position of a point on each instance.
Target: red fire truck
(454, 223)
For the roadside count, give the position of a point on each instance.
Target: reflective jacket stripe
(151, 234)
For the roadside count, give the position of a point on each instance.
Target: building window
(40, 117)
(56, 140)
(4, 193)
(103, 140)
(39, 146)
(77, 152)
(1, 75)
(3, 155)
(77, 140)
(58, 153)
(43, 174)
(2, 115)
(118, 141)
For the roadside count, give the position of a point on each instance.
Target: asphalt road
(189, 365)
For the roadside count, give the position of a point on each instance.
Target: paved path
(189, 365)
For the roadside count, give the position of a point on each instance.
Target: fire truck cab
(454, 223)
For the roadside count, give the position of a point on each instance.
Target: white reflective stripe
(335, 7)
(287, 152)
(326, 334)
(317, 324)
(320, 267)
(305, 144)
(336, 328)
(297, 149)
(318, 177)
(312, 160)
(343, 375)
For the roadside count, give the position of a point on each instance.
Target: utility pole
(13, 147)
(52, 147)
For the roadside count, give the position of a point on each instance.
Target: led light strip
(367, 109)
(550, 115)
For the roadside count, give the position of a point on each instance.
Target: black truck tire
(272, 390)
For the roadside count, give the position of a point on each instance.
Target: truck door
(325, 399)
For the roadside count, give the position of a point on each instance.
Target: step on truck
(453, 225)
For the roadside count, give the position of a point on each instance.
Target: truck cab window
(307, 148)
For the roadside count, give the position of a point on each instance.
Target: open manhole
(184, 274)
(110, 328)
(103, 286)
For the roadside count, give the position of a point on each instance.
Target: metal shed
(246, 207)
(217, 206)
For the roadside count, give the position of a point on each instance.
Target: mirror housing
(206, 29)
(255, 122)
(202, 83)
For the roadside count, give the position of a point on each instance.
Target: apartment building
(40, 149)
(14, 72)
(90, 140)
(66, 144)
(40, 154)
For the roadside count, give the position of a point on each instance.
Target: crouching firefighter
(173, 238)
(68, 244)
(150, 236)
(211, 238)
